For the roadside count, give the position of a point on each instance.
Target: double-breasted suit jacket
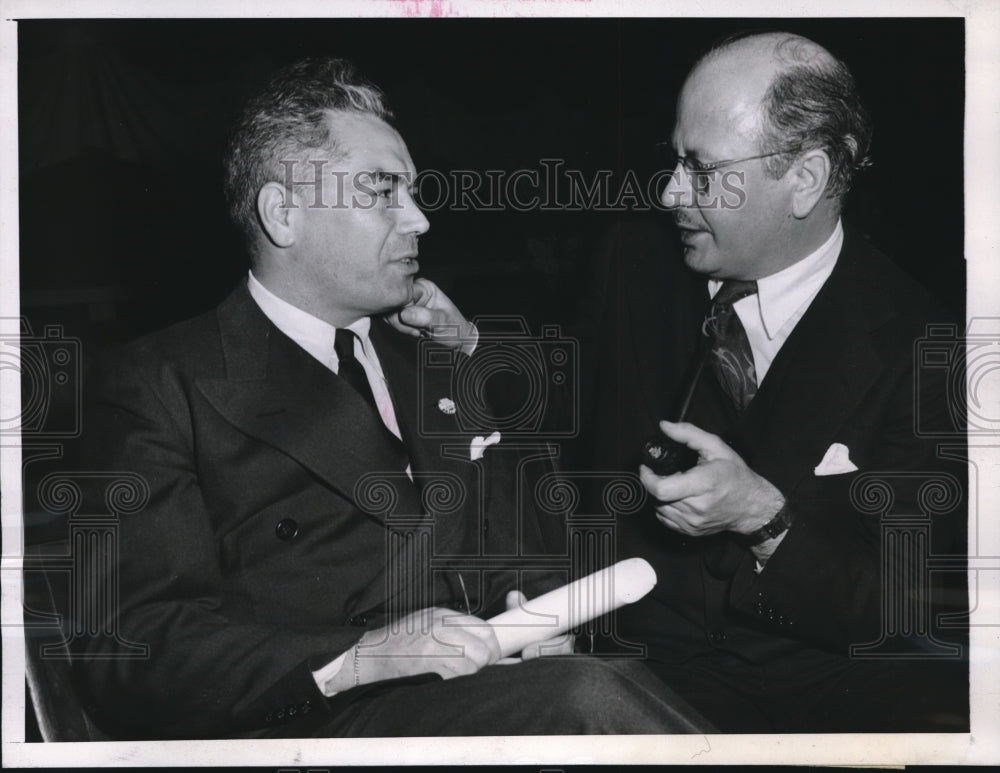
(280, 521)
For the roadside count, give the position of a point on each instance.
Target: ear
(277, 208)
(810, 174)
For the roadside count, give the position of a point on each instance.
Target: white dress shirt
(317, 337)
(782, 298)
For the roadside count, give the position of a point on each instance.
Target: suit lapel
(819, 375)
(824, 369)
(432, 437)
(398, 359)
(277, 393)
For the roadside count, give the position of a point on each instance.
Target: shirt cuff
(326, 673)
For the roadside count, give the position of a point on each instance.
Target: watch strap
(776, 526)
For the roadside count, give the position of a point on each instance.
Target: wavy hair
(286, 119)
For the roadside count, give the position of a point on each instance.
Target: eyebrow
(381, 176)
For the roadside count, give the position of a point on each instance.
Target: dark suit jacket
(280, 523)
(848, 374)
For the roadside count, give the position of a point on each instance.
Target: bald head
(786, 92)
(775, 119)
(770, 51)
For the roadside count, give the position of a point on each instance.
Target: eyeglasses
(691, 165)
(703, 172)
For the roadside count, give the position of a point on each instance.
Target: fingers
(558, 645)
(435, 640)
(705, 443)
(474, 635)
(680, 485)
(418, 317)
(424, 322)
(441, 320)
(701, 478)
(475, 656)
(423, 291)
(492, 643)
(432, 314)
(399, 324)
(675, 520)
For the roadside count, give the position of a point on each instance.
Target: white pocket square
(479, 445)
(836, 461)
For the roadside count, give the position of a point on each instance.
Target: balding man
(786, 602)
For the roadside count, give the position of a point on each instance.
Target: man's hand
(720, 493)
(433, 640)
(431, 314)
(557, 645)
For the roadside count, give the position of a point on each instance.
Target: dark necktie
(350, 369)
(353, 372)
(730, 356)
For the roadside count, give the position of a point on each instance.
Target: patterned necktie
(350, 369)
(730, 355)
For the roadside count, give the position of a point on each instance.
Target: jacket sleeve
(209, 670)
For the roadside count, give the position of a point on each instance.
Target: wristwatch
(777, 525)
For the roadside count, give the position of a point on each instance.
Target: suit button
(770, 615)
(358, 620)
(286, 529)
(758, 608)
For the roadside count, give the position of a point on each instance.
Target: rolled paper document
(560, 610)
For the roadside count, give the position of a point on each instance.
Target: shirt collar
(781, 294)
(310, 332)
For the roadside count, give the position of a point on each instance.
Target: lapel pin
(446, 405)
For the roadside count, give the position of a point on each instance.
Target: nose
(679, 191)
(412, 219)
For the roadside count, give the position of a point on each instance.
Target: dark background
(123, 222)
(123, 226)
